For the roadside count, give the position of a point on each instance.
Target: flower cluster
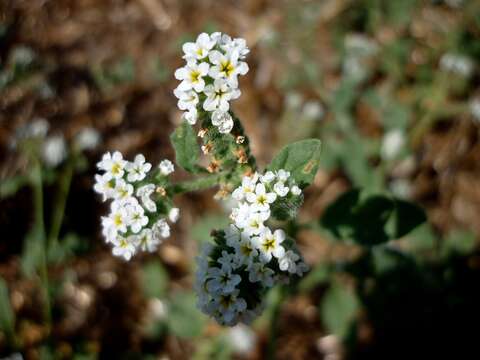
(209, 80)
(135, 221)
(249, 257)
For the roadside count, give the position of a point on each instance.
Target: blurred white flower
(475, 109)
(87, 139)
(313, 110)
(392, 143)
(166, 167)
(54, 150)
(457, 64)
(242, 339)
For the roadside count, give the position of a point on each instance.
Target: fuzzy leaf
(371, 220)
(301, 158)
(185, 144)
(338, 310)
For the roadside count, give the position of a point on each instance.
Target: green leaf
(154, 279)
(301, 158)
(459, 241)
(7, 316)
(407, 217)
(11, 186)
(185, 144)
(371, 220)
(338, 310)
(184, 320)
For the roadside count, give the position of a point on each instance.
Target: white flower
(458, 64)
(230, 305)
(301, 268)
(187, 100)
(268, 177)
(147, 242)
(313, 110)
(161, 229)
(105, 185)
(392, 144)
(223, 121)
(87, 139)
(174, 214)
(270, 244)
(242, 339)
(144, 192)
(280, 189)
(124, 247)
(192, 76)
(227, 66)
(191, 116)
(254, 224)
(113, 164)
(260, 199)
(218, 95)
(288, 262)
(260, 272)
(283, 175)
(241, 214)
(138, 169)
(166, 167)
(248, 186)
(295, 190)
(123, 190)
(228, 260)
(222, 280)
(199, 49)
(54, 150)
(245, 251)
(117, 220)
(137, 218)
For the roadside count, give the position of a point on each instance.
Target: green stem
(37, 184)
(60, 203)
(275, 315)
(196, 184)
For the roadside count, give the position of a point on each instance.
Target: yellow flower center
(268, 244)
(116, 168)
(226, 67)
(117, 220)
(194, 76)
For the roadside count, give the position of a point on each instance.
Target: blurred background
(390, 87)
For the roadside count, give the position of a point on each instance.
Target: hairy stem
(196, 184)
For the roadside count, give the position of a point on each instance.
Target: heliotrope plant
(254, 253)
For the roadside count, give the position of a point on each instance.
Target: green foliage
(301, 158)
(338, 310)
(203, 227)
(371, 220)
(7, 316)
(185, 144)
(32, 254)
(154, 279)
(287, 208)
(10, 186)
(184, 320)
(459, 242)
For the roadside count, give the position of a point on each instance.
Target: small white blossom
(261, 199)
(392, 144)
(144, 194)
(295, 190)
(280, 189)
(218, 95)
(87, 139)
(54, 150)
(260, 272)
(147, 242)
(191, 116)
(124, 247)
(192, 76)
(270, 244)
(200, 48)
(288, 262)
(223, 121)
(123, 190)
(227, 66)
(248, 186)
(174, 214)
(105, 185)
(166, 167)
(222, 280)
(268, 177)
(138, 169)
(113, 164)
(161, 229)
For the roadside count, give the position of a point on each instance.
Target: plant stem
(196, 184)
(37, 184)
(60, 203)
(275, 314)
